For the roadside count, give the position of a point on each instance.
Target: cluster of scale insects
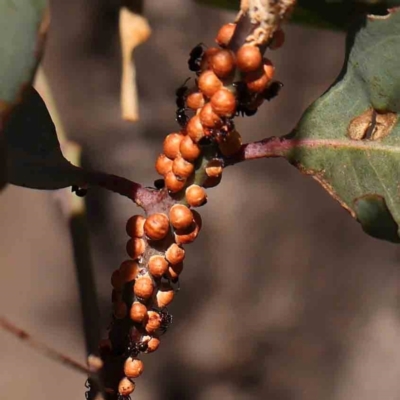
(238, 84)
(243, 98)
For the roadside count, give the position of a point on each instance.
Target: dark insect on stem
(166, 321)
(159, 184)
(181, 117)
(195, 58)
(134, 348)
(79, 191)
(122, 397)
(272, 90)
(180, 93)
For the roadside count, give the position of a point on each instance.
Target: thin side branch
(43, 348)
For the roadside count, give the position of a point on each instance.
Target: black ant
(123, 397)
(195, 58)
(166, 321)
(79, 191)
(272, 90)
(180, 93)
(134, 348)
(159, 184)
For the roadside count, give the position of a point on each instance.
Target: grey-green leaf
(349, 139)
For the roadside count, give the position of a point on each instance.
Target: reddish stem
(266, 148)
(143, 197)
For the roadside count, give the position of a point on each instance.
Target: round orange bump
(126, 387)
(269, 68)
(224, 103)
(190, 151)
(138, 312)
(171, 144)
(180, 216)
(277, 40)
(195, 100)
(153, 344)
(165, 295)
(190, 237)
(207, 57)
(174, 183)
(120, 309)
(175, 270)
(232, 144)
(214, 168)
(209, 118)
(156, 226)
(133, 367)
(248, 58)
(129, 270)
(195, 129)
(116, 280)
(135, 247)
(182, 168)
(134, 226)
(196, 196)
(158, 266)
(163, 164)
(209, 83)
(258, 81)
(153, 322)
(143, 287)
(175, 254)
(223, 63)
(225, 34)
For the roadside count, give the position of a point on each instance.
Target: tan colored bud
(138, 312)
(158, 266)
(129, 270)
(143, 287)
(133, 367)
(126, 387)
(175, 254)
(156, 226)
(171, 145)
(153, 322)
(134, 226)
(135, 248)
(163, 164)
(196, 196)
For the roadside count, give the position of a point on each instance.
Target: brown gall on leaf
(359, 125)
(371, 125)
(383, 125)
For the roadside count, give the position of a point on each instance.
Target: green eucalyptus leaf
(349, 139)
(34, 157)
(19, 48)
(21, 43)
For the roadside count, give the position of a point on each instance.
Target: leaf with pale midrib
(362, 174)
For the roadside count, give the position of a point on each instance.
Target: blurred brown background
(283, 297)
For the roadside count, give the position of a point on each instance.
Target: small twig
(43, 348)
(258, 20)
